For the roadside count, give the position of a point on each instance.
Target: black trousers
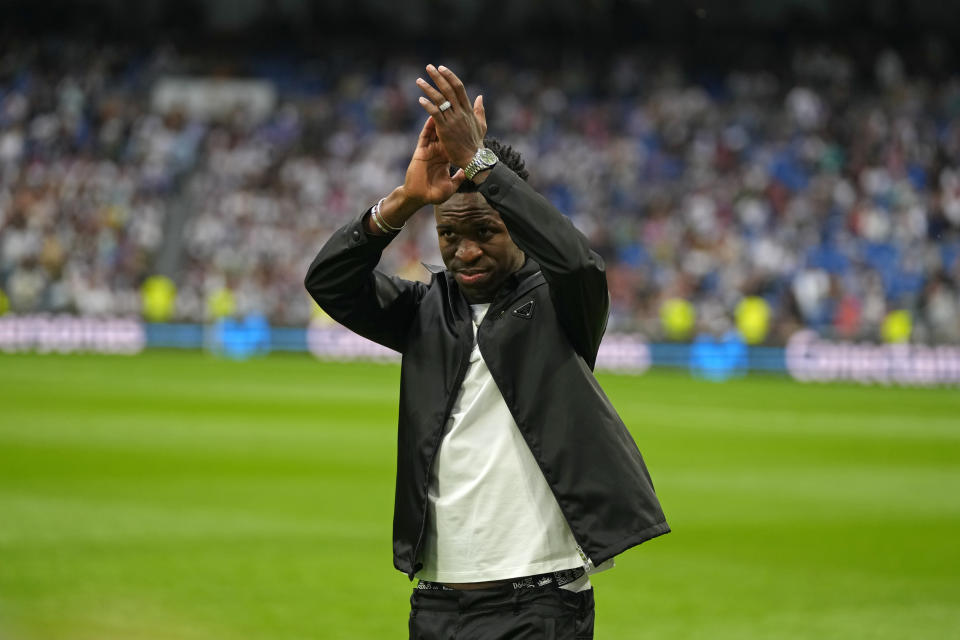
(543, 613)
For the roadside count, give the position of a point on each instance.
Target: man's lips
(472, 276)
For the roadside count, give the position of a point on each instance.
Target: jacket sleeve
(574, 273)
(344, 281)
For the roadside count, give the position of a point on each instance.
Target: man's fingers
(429, 107)
(458, 178)
(457, 85)
(427, 133)
(431, 129)
(444, 86)
(481, 113)
(433, 95)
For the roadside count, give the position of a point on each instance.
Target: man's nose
(468, 251)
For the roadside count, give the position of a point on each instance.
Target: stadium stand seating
(831, 193)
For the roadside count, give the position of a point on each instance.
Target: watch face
(487, 157)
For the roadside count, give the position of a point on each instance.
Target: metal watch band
(472, 169)
(476, 165)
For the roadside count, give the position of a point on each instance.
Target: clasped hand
(449, 137)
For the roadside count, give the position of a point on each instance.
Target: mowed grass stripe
(175, 495)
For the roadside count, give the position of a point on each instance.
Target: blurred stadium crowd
(818, 196)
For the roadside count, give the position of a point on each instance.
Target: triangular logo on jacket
(524, 311)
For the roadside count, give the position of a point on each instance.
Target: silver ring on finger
(444, 106)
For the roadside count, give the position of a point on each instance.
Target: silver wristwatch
(483, 159)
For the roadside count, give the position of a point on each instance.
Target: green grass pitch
(175, 495)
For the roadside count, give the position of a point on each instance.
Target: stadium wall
(806, 358)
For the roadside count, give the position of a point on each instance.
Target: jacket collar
(519, 277)
(432, 268)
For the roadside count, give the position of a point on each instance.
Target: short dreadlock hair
(507, 155)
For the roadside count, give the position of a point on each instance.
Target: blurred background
(773, 184)
(761, 167)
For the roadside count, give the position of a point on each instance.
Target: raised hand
(428, 179)
(462, 126)
(451, 136)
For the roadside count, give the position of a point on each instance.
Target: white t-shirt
(491, 514)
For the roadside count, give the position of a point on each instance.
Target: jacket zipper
(587, 563)
(584, 558)
(454, 392)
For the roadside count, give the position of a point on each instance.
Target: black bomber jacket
(539, 338)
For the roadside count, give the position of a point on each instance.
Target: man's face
(475, 245)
